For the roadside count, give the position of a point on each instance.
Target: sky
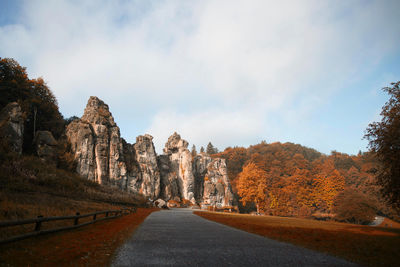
(231, 72)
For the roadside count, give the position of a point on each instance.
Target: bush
(354, 207)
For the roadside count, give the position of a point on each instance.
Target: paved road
(179, 238)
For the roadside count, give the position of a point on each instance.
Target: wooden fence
(108, 214)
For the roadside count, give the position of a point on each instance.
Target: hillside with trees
(293, 180)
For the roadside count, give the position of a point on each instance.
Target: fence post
(76, 219)
(38, 223)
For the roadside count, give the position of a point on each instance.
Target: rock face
(169, 183)
(12, 127)
(201, 180)
(103, 156)
(45, 146)
(98, 148)
(217, 190)
(180, 169)
(147, 181)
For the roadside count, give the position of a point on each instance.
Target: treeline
(292, 180)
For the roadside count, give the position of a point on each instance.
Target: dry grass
(26, 206)
(92, 245)
(370, 246)
(29, 188)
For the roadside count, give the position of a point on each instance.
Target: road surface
(177, 237)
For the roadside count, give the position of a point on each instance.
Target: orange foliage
(251, 186)
(299, 181)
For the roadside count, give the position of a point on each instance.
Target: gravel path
(179, 238)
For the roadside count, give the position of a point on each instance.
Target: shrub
(354, 207)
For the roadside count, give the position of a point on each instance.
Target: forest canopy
(300, 181)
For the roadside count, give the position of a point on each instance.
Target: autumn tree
(354, 207)
(14, 82)
(252, 185)
(37, 101)
(328, 184)
(384, 140)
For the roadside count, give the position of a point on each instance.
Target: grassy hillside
(30, 187)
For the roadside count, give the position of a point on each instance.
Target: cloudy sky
(230, 72)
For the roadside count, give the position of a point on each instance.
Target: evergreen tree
(210, 149)
(201, 149)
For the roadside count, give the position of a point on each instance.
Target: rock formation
(217, 190)
(180, 169)
(103, 156)
(169, 183)
(45, 146)
(201, 180)
(96, 143)
(12, 127)
(147, 181)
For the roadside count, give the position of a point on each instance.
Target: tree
(354, 207)
(14, 82)
(37, 102)
(194, 152)
(211, 149)
(201, 149)
(384, 140)
(252, 185)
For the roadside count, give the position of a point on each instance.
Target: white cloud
(220, 127)
(222, 67)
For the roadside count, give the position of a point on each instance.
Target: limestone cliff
(212, 182)
(147, 181)
(217, 189)
(96, 143)
(181, 170)
(202, 180)
(103, 156)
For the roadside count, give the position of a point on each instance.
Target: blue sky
(230, 72)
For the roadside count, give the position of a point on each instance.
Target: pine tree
(210, 149)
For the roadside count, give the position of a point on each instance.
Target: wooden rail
(109, 214)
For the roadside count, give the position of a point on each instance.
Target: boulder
(12, 127)
(160, 203)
